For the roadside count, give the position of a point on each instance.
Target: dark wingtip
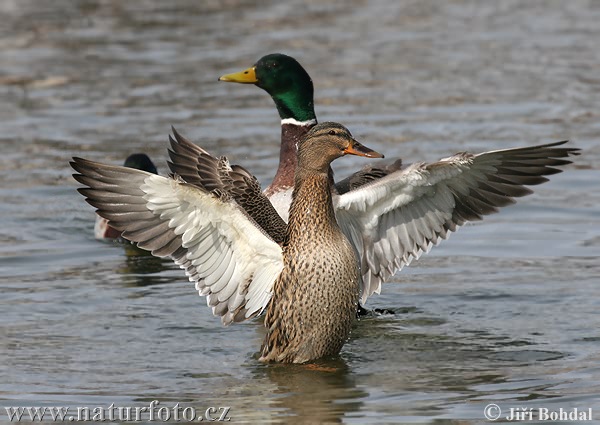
(571, 151)
(78, 178)
(76, 164)
(178, 136)
(175, 133)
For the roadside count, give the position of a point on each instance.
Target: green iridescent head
(285, 80)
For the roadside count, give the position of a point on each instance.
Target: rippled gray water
(504, 312)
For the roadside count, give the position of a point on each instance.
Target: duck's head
(285, 80)
(140, 161)
(328, 141)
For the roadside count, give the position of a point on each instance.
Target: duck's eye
(274, 64)
(332, 132)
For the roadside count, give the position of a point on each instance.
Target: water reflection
(320, 392)
(140, 267)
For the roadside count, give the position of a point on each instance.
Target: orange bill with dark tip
(359, 149)
(247, 76)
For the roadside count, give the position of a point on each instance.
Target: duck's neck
(292, 132)
(296, 102)
(297, 113)
(311, 211)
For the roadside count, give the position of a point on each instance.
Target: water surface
(504, 312)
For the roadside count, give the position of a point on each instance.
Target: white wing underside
(229, 258)
(397, 218)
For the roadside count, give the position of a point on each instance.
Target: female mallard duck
(139, 161)
(309, 283)
(217, 225)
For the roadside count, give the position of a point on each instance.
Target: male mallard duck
(139, 161)
(305, 273)
(291, 88)
(309, 283)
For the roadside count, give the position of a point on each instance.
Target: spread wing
(232, 261)
(395, 219)
(198, 167)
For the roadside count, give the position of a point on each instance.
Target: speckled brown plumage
(315, 298)
(314, 304)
